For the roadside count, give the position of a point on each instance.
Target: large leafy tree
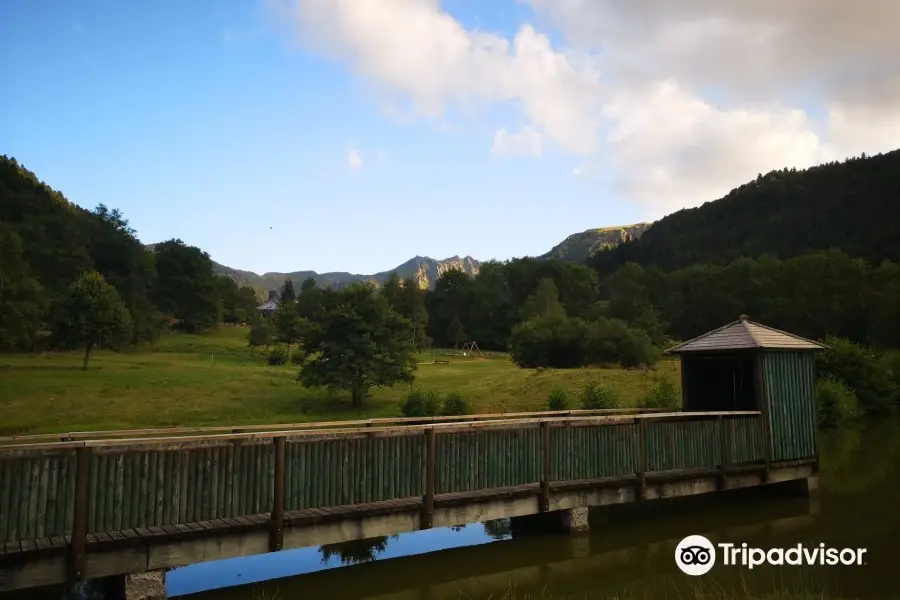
(91, 314)
(355, 342)
(544, 302)
(288, 325)
(186, 287)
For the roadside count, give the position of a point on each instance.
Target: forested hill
(853, 206)
(47, 243)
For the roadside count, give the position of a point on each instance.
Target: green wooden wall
(791, 397)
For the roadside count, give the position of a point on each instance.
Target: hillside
(423, 269)
(852, 206)
(578, 247)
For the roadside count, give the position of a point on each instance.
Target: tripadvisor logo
(696, 555)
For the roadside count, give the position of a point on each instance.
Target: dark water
(628, 554)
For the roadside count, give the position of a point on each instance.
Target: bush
(558, 400)
(420, 404)
(663, 394)
(563, 342)
(861, 370)
(276, 357)
(260, 334)
(612, 341)
(454, 404)
(594, 397)
(836, 402)
(297, 358)
(548, 342)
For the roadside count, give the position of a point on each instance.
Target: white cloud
(635, 80)
(354, 159)
(527, 142)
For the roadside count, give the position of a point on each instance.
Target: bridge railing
(106, 486)
(282, 427)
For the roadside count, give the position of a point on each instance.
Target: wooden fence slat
(78, 547)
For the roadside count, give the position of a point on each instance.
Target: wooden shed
(749, 366)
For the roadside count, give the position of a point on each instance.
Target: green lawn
(215, 379)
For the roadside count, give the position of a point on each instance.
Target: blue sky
(200, 121)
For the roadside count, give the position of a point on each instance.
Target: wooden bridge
(95, 505)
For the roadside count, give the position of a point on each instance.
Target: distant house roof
(271, 304)
(744, 334)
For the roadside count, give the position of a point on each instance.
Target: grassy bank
(215, 379)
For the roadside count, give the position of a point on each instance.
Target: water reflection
(302, 561)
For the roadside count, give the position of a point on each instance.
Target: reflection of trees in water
(356, 551)
(498, 529)
(856, 458)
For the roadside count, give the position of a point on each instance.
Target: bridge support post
(572, 520)
(149, 585)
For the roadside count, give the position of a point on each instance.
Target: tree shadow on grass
(336, 403)
(41, 368)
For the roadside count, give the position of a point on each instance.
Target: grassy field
(215, 379)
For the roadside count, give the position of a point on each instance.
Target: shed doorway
(718, 383)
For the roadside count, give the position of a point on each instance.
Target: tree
(456, 334)
(544, 302)
(288, 325)
(126, 265)
(20, 294)
(238, 303)
(91, 314)
(408, 300)
(412, 307)
(356, 342)
(287, 292)
(309, 300)
(186, 287)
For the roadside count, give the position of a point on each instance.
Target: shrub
(613, 341)
(594, 396)
(861, 370)
(276, 357)
(454, 404)
(836, 402)
(420, 404)
(558, 399)
(297, 358)
(548, 342)
(260, 334)
(563, 342)
(663, 394)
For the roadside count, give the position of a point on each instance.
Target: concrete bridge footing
(570, 520)
(149, 585)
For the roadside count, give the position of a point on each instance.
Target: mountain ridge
(577, 247)
(424, 269)
(581, 246)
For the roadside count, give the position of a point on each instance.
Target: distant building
(270, 306)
